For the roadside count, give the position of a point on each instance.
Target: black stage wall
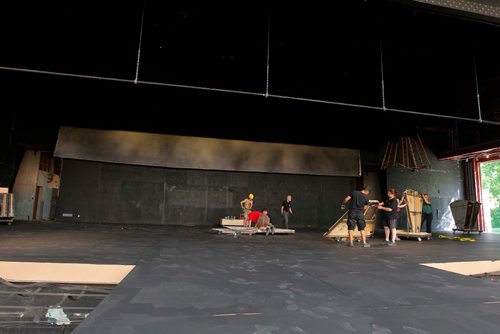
(127, 194)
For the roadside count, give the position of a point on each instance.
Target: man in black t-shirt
(358, 202)
(286, 210)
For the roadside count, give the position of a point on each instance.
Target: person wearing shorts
(358, 202)
(390, 208)
(247, 205)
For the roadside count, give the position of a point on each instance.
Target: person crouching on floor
(264, 222)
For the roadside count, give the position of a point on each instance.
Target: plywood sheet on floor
(467, 267)
(74, 273)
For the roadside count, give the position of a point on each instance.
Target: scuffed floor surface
(189, 281)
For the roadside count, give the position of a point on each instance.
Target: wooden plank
(3, 212)
(72, 273)
(11, 205)
(232, 222)
(414, 212)
(422, 235)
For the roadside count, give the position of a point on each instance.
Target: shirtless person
(247, 205)
(264, 223)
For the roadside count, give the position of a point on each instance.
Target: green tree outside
(490, 177)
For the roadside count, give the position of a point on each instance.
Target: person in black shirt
(286, 210)
(390, 208)
(358, 202)
(427, 213)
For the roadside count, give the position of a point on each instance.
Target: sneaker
(367, 245)
(397, 239)
(391, 244)
(350, 244)
(386, 242)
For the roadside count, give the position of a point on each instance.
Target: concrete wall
(444, 182)
(115, 193)
(45, 196)
(25, 185)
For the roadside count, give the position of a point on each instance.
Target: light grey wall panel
(135, 148)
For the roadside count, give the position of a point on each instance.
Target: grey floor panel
(189, 281)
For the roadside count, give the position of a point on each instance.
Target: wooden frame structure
(338, 230)
(408, 152)
(7, 207)
(414, 216)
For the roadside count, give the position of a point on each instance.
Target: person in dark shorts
(390, 208)
(358, 202)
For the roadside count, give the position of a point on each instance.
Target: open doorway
(490, 191)
(482, 181)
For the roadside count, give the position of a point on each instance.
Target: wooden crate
(6, 205)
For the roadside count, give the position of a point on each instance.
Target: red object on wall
(254, 216)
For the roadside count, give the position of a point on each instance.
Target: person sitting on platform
(264, 223)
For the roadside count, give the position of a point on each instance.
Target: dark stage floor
(190, 281)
